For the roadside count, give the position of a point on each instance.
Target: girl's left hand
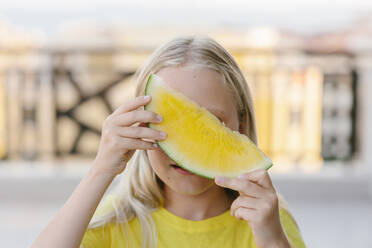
(258, 205)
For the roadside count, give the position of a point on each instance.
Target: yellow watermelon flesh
(196, 139)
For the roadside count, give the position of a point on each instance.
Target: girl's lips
(181, 170)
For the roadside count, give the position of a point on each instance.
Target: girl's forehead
(204, 86)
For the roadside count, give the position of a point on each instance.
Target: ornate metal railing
(53, 103)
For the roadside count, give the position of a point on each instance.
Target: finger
(244, 201)
(260, 177)
(246, 214)
(129, 143)
(131, 105)
(242, 185)
(141, 132)
(129, 118)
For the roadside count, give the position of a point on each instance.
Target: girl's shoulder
(102, 227)
(110, 234)
(97, 237)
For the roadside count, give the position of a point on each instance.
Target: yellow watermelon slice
(197, 140)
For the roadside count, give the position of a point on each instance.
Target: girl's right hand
(121, 136)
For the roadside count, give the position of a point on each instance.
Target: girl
(156, 204)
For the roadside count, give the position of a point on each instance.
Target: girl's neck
(210, 203)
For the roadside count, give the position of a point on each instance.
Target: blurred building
(56, 93)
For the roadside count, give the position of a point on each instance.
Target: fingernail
(159, 117)
(241, 176)
(155, 145)
(147, 98)
(163, 135)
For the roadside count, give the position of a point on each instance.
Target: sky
(308, 17)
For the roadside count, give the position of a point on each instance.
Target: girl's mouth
(181, 170)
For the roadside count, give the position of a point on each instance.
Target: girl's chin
(190, 186)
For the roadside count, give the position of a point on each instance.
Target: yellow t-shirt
(219, 231)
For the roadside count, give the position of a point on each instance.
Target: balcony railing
(53, 102)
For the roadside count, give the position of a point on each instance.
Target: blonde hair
(139, 191)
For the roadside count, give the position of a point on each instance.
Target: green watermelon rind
(267, 164)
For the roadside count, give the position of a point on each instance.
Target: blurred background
(64, 66)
